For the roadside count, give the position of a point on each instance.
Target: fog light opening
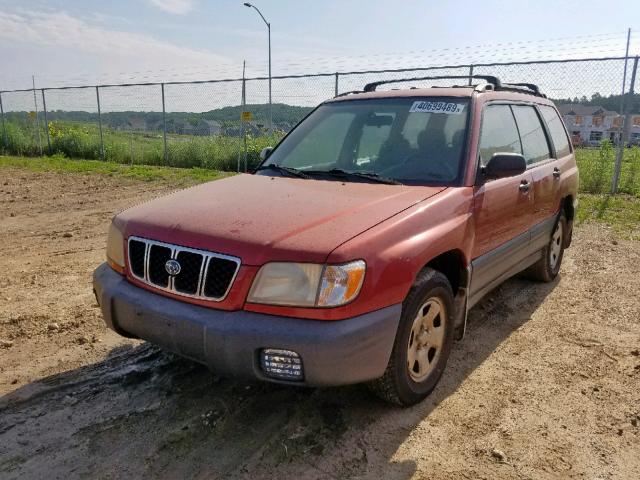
(281, 364)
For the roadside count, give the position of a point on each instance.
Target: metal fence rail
(198, 123)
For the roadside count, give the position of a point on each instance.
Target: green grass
(596, 167)
(620, 212)
(137, 172)
(82, 140)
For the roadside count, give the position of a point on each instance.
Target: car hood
(261, 218)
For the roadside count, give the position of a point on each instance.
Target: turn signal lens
(341, 283)
(115, 249)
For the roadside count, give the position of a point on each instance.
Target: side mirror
(503, 165)
(265, 153)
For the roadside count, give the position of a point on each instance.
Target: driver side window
(498, 133)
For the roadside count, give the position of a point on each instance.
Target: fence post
(100, 123)
(336, 89)
(35, 106)
(46, 123)
(626, 132)
(4, 128)
(164, 127)
(470, 74)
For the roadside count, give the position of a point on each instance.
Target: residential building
(588, 125)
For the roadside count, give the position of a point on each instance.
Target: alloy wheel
(426, 339)
(556, 246)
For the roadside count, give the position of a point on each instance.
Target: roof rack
(495, 81)
(350, 92)
(491, 80)
(534, 88)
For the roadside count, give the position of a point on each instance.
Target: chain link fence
(202, 124)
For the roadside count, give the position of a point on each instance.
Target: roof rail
(534, 88)
(495, 81)
(350, 92)
(490, 79)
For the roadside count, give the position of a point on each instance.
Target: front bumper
(333, 352)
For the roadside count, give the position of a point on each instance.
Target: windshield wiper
(339, 173)
(282, 169)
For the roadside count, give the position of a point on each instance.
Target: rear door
(536, 149)
(565, 163)
(503, 208)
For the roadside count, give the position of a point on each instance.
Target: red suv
(355, 250)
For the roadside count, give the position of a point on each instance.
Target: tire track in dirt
(546, 375)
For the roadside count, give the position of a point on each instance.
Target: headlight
(307, 284)
(281, 283)
(115, 249)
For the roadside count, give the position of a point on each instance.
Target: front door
(503, 207)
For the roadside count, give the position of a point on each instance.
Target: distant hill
(284, 117)
(281, 113)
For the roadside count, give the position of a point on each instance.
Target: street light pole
(246, 4)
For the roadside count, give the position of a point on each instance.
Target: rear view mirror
(375, 120)
(265, 153)
(505, 164)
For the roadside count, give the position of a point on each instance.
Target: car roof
(458, 91)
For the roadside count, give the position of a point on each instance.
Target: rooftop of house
(578, 109)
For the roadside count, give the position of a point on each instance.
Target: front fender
(397, 249)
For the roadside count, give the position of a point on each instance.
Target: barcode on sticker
(437, 107)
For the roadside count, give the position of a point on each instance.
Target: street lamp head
(247, 4)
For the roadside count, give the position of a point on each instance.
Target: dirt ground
(546, 384)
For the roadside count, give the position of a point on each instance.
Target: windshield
(409, 140)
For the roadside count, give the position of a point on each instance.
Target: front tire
(423, 341)
(546, 269)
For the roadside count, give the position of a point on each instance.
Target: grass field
(138, 172)
(82, 140)
(596, 167)
(621, 212)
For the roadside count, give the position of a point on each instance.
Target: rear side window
(558, 133)
(535, 147)
(499, 133)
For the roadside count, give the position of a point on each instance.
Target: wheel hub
(426, 339)
(556, 246)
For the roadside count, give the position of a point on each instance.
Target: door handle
(556, 172)
(524, 186)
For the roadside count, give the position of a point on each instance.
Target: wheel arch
(568, 207)
(453, 265)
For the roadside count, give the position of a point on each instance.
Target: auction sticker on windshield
(437, 107)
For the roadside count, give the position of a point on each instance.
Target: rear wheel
(423, 341)
(546, 269)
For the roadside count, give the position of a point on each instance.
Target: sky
(81, 42)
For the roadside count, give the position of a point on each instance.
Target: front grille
(201, 274)
(218, 276)
(158, 256)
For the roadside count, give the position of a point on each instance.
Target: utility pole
(269, 33)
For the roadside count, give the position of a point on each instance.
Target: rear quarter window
(534, 141)
(556, 128)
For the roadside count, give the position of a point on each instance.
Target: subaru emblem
(172, 267)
